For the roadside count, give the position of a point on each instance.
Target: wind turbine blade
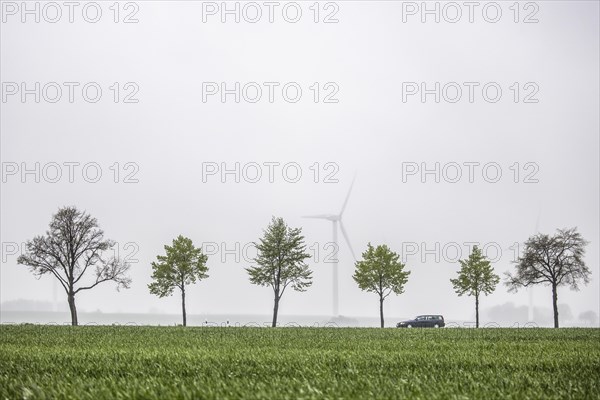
(347, 240)
(347, 196)
(319, 216)
(537, 221)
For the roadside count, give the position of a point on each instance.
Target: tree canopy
(182, 265)
(555, 260)
(281, 255)
(74, 251)
(380, 271)
(476, 276)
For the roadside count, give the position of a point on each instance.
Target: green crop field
(115, 362)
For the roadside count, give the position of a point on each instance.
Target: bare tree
(553, 260)
(72, 246)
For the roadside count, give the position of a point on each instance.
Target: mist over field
(431, 178)
(347, 199)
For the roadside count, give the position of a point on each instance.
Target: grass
(95, 362)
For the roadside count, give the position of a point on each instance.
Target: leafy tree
(280, 257)
(73, 246)
(381, 272)
(589, 316)
(182, 265)
(551, 260)
(476, 276)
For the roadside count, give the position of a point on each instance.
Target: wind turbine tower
(336, 222)
(530, 288)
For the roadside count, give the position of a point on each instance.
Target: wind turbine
(530, 288)
(54, 296)
(336, 221)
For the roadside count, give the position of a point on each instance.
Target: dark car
(423, 321)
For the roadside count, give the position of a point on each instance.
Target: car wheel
(409, 326)
(436, 326)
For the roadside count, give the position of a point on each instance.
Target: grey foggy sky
(370, 132)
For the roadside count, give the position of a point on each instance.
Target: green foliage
(182, 265)
(381, 272)
(475, 276)
(105, 362)
(280, 259)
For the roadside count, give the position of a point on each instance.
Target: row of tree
(74, 251)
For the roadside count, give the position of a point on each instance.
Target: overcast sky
(371, 63)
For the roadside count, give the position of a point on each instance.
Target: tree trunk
(555, 305)
(71, 299)
(477, 311)
(275, 310)
(183, 305)
(381, 311)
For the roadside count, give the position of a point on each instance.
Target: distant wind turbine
(530, 306)
(530, 288)
(336, 220)
(54, 296)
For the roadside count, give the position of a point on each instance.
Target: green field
(294, 363)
